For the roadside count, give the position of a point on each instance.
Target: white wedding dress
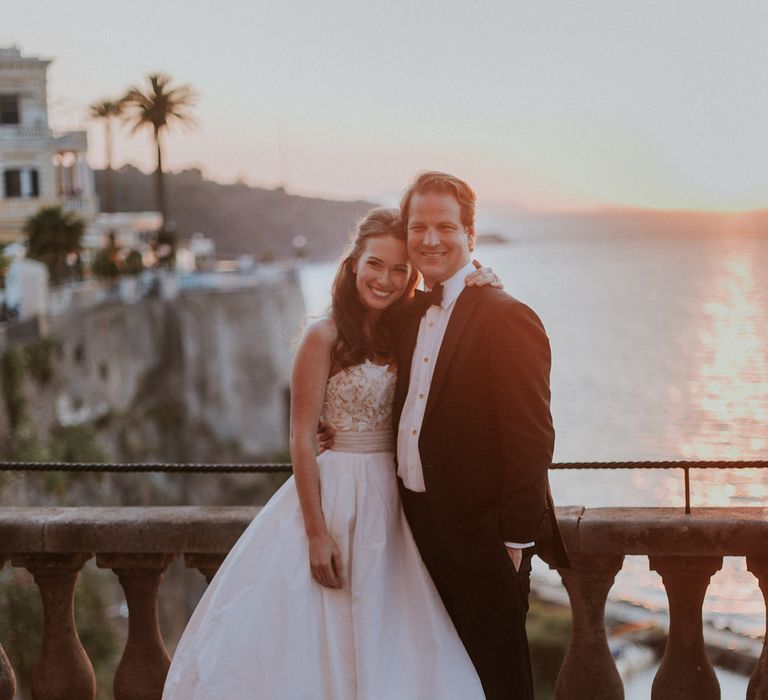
(265, 629)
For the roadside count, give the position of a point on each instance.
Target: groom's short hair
(443, 183)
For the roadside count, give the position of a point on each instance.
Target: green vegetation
(96, 627)
(66, 444)
(133, 264)
(168, 414)
(21, 619)
(55, 239)
(104, 265)
(38, 359)
(76, 443)
(12, 361)
(25, 445)
(549, 633)
(21, 624)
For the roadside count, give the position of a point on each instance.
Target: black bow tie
(424, 300)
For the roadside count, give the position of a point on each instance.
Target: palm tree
(157, 108)
(106, 109)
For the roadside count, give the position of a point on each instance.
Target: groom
(474, 437)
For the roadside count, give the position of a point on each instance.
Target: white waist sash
(364, 441)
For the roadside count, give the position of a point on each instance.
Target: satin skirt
(265, 629)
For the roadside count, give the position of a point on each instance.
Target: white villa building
(37, 167)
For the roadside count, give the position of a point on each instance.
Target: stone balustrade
(686, 550)
(139, 543)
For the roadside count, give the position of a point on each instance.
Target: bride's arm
(311, 369)
(483, 276)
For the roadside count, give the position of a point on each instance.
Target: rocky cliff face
(186, 377)
(202, 377)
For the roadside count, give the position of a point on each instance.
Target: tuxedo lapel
(465, 305)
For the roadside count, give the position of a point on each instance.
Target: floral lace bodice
(359, 398)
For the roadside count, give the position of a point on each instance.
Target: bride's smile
(382, 272)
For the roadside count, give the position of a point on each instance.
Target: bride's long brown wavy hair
(352, 345)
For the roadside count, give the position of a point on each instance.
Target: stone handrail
(138, 544)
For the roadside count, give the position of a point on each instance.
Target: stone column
(7, 677)
(685, 670)
(63, 670)
(588, 669)
(207, 563)
(758, 683)
(144, 665)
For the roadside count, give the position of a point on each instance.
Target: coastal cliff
(203, 376)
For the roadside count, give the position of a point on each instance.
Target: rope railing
(284, 467)
(685, 465)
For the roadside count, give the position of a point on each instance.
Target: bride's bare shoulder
(321, 332)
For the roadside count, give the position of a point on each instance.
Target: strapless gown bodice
(359, 398)
(358, 406)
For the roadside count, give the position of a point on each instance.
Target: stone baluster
(144, 665)
(7, 677)
(207, 563)
(63, 670)
(758, 683)
(588, 668)
(685, 670)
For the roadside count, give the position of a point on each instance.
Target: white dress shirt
(428, 342)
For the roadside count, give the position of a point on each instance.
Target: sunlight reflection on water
(730, 378)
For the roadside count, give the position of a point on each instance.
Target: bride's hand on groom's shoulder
(482, 277)
(325, 561)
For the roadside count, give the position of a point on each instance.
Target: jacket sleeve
(520, 361)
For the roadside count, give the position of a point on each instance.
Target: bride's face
(382, 272)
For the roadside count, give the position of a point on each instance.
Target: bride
(325, 595)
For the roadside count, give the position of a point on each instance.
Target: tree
(104, 265)
(107, 109)
(157, 108)
(54, 238)
(133, 263)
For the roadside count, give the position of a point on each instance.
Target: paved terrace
(138, 543)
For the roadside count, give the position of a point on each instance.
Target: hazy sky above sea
(545, 104)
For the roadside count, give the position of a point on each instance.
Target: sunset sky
(546, 105)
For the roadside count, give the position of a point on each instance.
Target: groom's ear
(470, 236)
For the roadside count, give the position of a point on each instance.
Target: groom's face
(438, 242)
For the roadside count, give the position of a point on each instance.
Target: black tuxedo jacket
(487, 437)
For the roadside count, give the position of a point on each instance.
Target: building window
(9, 109)
(12, 183)
(34, 183)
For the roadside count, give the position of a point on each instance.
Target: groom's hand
(516, 555)
(325, 436)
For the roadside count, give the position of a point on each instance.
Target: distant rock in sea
(492, 238)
